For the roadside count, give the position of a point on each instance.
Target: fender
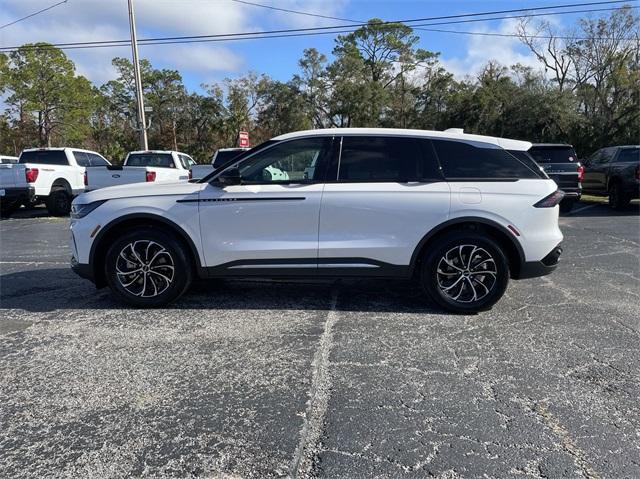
(137, 216)
(465, 219)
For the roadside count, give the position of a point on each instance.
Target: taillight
(580, 173)
(550, 201)
(151, 176)
(86, 179)
(31, 174)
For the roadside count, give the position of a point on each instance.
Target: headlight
(80, 211)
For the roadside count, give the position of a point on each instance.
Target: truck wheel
(59, 202)
(617, 199)
(147, 268)
(465, 272)
(567, 205)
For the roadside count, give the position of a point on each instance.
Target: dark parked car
(614, 172)
(561, 163)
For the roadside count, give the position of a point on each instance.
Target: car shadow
(47, 290)
(587, 209)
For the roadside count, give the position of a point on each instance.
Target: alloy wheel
(145, 268)
(466, 273)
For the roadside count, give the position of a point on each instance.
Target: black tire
(617, 199)
(567, 205)
(435, 282)
(164, 284)
(59, 202)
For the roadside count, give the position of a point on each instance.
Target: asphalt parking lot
(357, 379)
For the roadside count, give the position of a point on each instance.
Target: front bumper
(533, 269)
(85, 271)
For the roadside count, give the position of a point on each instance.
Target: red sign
(243, 139)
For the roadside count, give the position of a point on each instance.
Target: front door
(267, 224)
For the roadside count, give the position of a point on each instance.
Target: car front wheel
(147, 268)
(465, 272)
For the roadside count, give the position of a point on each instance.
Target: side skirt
(308, 268)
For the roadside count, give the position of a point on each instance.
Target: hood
(140, 189)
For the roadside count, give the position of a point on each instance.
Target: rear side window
(97, 160)
(82, 158)
(386, 159)
(558, 154)
(44, 157)
(158, 160)
(528, 160)
(628, 155)
(464, 161)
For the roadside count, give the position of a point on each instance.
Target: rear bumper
(18, 194)
(533, 269)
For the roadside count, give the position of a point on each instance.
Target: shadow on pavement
(45, 290)
(582, 209)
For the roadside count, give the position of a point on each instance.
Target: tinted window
(296, 160)
(528, 160)
(186, 161)
(82, 158)
(369, 158)
(628, 154)
(97, 160)
(159, 160)
(556, 154)
(223, 156)
(463, 161)
(44, 157)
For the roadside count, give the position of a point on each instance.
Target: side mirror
(230, 176)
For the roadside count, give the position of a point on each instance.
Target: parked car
(5, 159)
(455, 211)
(560, 162)
(219, 158)
(142, 166)
(614, 172)
(16, 187)
(60, 174)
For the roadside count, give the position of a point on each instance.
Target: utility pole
(142, 123)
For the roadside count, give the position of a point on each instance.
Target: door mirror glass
(230, 176)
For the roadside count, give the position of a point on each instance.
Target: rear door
(382, 195)
(596, 169)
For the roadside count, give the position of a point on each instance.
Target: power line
(300, 32)
(297, 12)
(32, 14)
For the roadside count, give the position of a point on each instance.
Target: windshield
(158, 160)
(555, 154)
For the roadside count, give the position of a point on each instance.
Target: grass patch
(603, 200)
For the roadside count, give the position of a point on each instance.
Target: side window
(628, 155)
(187, 162)
(296, 160)
(607, 155)
(464, 161)
(82, 158)
(386, 159)
(97, 160)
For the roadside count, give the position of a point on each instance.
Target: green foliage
(589, 94)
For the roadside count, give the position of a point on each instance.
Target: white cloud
(482, 49)
(96, 20)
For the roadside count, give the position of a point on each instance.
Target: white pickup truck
(219, 158)
(16, 187)
(141, 166)
(59, 174)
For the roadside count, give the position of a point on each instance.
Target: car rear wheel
(465, 272)
(148, 268)
(59, 202)
(617, 199)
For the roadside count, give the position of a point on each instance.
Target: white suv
(459, 213)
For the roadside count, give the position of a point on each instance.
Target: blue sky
(87, 20)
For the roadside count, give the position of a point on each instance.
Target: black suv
(614, 172)
(560, 162)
